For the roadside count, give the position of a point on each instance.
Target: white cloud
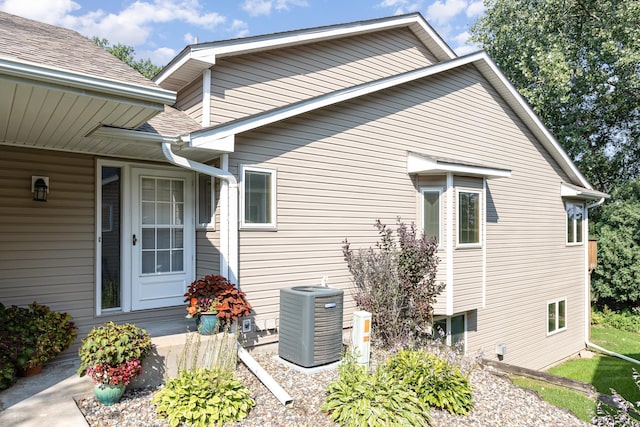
(402, 6)
(160, 56)
(442, 12)
(475, 9)
(49, 11)
(239, 28)
(264, 7)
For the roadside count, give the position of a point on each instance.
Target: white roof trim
(33, 71)
(419, 164)
(570, 190)
(207, 53)
(480, 60)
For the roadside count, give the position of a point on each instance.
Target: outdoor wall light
(40, 188)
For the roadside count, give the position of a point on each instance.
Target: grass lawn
(606, 372)
(583, 407)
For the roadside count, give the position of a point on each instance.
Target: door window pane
(111, 242)
(163, 239)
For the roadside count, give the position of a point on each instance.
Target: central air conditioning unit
(310, 325)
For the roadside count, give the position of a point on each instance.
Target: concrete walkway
(46, 399)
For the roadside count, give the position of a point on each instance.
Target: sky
(160, 29)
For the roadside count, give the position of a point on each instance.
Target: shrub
(111, 352)
(624, 320)
(203, 397)
(434, 380)
(31, 337)
(359, 398)
(396, 283)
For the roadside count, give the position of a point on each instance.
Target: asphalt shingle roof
(50, 46)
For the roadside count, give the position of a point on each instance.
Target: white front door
(163, 233)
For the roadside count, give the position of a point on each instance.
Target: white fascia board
(568, 190)
(207, 57)
(322, 33)
(420, 164)
(225, 144)
(58, 76)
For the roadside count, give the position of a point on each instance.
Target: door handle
(135, 240)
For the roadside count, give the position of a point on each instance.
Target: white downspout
(230, 252)
(587, 303)
(228, 249)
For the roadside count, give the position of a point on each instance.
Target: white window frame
(438, 190)
(272, 226)
(448, 332)
(557, 308)
(573, 223)
(211, 224)
(480, 217)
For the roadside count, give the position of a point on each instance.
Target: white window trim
(273, 225)
(575, 228)
(440, 191)
(211, 225)
(448, 336)
(481, 214)
(566, 318)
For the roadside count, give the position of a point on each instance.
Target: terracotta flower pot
(29, 372)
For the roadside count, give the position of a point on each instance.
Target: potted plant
(33, 336)
(112, 356)
(216, 294)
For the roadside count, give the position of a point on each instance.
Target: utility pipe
(229, 232)
(264, 376)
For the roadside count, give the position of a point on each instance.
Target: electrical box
(501, 349)
(361, 337)
(310, 332)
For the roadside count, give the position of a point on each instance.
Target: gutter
(587, 309)
(230, 252)
(228, 232)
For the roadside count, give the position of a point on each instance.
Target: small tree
(396, 283)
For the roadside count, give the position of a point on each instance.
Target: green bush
(112, 345)
(434, 380)
(203, 397)
(623, 320)
(359, 399)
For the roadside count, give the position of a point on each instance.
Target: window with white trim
(575, 215)
(206, 202)
(556, 316)
(451, 329)
(258, 198)
(469, 218)
(432, 213)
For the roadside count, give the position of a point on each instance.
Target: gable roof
(224, 135)
(194, 59)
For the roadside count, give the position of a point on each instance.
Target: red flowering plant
(115, 375)
(217, 294)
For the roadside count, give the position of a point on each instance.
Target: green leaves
(576, 63)
(203, 397)
(359, 398)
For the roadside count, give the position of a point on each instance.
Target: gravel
(497, 402)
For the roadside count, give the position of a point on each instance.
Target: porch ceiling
(48, 116)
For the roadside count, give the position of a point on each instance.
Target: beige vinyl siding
(47, 250)
(189, 100)
(257, 82)
(341, 168)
